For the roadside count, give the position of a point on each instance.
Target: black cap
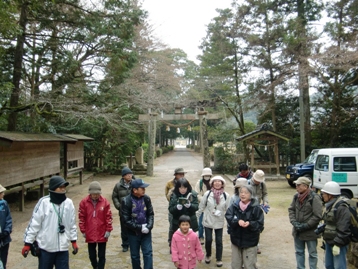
(126, 171)
(57, 181)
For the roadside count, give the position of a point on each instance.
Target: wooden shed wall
(25, 161)
(75, 153)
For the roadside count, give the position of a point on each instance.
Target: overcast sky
(182, 23)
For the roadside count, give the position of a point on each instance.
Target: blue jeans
(336, 262)
(92, 252)
(144, 242)
(48, 259)
(218, 242)
(300, 253)
(201, 227)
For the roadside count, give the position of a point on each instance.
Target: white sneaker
(207, 259)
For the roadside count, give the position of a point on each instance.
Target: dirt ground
(276, 242)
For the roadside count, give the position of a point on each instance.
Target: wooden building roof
(7, 138)
(264, 129)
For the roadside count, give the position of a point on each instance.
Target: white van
(340, 165)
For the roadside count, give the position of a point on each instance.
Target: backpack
(206, 202)
(354, 217)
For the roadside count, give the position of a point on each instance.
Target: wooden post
(65, 161)
(151, 150)
(201, 134)
(204, 144)
(42, 187)
(22, 200)
(277, 158)
(252, 155)
(152, 117)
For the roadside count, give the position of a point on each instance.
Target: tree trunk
(17, 73)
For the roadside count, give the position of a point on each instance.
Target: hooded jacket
(186, 249)
(95, 220)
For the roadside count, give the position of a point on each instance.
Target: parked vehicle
(305, 169)
(339, 165)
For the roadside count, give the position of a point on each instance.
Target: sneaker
(258, 251)
(125, 249)
(219, 263)
(202, 241)
(207, 259)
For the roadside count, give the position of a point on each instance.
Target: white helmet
(206, 172)
(332, 188)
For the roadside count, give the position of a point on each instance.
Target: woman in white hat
(214, 204)
(260, 190)
(259, 186)
(201, 186)
(5, 227)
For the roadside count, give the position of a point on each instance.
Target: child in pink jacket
(186, 248)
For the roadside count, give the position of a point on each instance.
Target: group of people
(305, 213)
(205, 209)
(52, 228)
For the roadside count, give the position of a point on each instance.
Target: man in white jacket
(52, 226)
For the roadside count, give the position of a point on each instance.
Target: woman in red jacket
(95, 221)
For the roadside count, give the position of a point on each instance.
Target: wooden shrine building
(264, 137)
(29, 160)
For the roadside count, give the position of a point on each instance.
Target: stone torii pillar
(202, 116)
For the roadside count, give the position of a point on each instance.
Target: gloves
(74, 247)
(107, 234)
(145, 230)
(336, 250)
(179, 207)
(25, 250)
(294, 223)
(301, 226)
(187, 205)
(265, 208)
(84, 235)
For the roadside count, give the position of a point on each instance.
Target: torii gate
(201, 115)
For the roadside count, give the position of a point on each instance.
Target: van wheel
(346, 194)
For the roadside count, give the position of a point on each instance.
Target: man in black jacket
(137, 212)
(121, 190)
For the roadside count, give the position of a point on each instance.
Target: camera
(61, 228)
(320, 228)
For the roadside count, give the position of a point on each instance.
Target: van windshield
(312, 157)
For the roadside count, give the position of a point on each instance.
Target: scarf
(243, 206)
(302, 196)
(57, 198)
(217, 193)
